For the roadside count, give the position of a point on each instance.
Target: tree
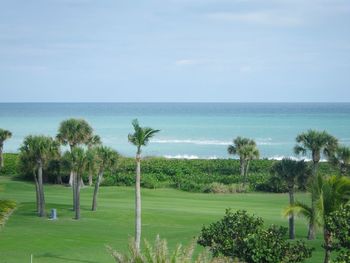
(76, 161)
(330, 194)
(139, 138)
(106, 158)
(242, 236)
(316, 143)
(37, 151)
(93, 141)
(4, 135)
(291, 172)
(341, 159)
(246, 150)
(74, 132)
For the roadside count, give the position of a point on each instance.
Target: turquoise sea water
(191, 130)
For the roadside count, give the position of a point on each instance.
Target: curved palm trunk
(291, 217)
(97, 187)
(312, 226)
(138, 203)
(1, 155)
(41, 191)
(77, 196)
(327, 245)
(90, 178)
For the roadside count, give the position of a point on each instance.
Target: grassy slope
(176, 215)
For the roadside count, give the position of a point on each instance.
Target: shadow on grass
(64, 259)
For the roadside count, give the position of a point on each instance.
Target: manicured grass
(175, 215)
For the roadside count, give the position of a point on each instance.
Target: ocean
(188, 130)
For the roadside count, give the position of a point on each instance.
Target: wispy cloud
(269, 18)
(182, 62)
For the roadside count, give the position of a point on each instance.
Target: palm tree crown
(74, 132)
(243, 147)
(4, 135)
(341, 158)
(141, 136)
(317, 143)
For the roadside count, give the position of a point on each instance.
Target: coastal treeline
(88, 161)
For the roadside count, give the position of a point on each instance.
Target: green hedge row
(188, 175)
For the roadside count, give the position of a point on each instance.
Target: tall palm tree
(4, 135)
(330, 194)
(76, 161)
(246, 150)
(139, 138)
(341, 158)
(38, 150)
(316, 143)
(106, 159)
(292, 172)
(74, 132)
(93, 141)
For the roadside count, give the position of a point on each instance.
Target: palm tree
(292, 172)
(4, 135)
(316, 143)
(37, 151)
(93, 141)
(341, 158)
(74, 132)
(76, 161)
(106, 159)
(139, 138)
(330, 194)
(246, 150)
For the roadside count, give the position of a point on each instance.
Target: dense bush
(242, 236)
(10, 164)
(188, 175)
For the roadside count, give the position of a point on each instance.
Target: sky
(175, 50)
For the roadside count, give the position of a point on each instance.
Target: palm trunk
(90, 178)
(1, 156)
(138, 203)
(71, 179)
(97, 186)
(81, 182)
(41, 191)
(77, 197)
(246, 173)
(312, 225)
(291, 217)
(36, 192)
(327, 245)
(242, 166)
(73, 175)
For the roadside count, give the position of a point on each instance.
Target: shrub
(10, 164)
(6, 207)
(242, 236)
(159, 253)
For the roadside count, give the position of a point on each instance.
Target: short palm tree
(139, 138)
(341, 158)
(76, 162)
(246, 150)
(106, 159)
(37, 151)
(316, 143)
(4, 135)
(292, 172)
(330, 194)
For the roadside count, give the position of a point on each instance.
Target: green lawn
(175, 215)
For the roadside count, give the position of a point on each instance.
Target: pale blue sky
(175, 50)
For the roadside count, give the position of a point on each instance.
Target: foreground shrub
(6, 207)
(159, 253)
(243, 237)
(339, 225)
